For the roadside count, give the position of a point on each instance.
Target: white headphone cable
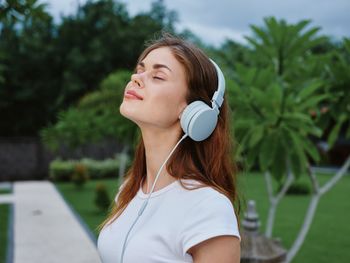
(146, 202)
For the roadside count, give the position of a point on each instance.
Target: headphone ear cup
(187, 115)
(198, 120)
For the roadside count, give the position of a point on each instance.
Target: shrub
(61, 170)
(79, 176)
(102, 199)
(101, 169)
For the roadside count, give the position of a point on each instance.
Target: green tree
(94, 118)
(45, 68)
(25, 44)
(284, 47)
(91, 44)
(273, 101)
(229, 55)
(100, 38)
(338, 108)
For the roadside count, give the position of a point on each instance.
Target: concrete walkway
(45, 229)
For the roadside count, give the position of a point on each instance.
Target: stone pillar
(255, 247)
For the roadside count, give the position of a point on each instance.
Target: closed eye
(158, 78)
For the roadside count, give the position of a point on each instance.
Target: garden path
(45, 230)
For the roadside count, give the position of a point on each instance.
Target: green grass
(327, 240)
(82, 200)
(4, 220)
(329, 235)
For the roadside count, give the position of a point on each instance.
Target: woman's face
(156, 94)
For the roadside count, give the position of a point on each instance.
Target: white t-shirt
(174, 220)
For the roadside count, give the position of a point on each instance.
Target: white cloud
(213, 20)
(215, 35)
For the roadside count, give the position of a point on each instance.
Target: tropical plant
(284, 47)
(274, 101)
(272, 120)
(338, 109)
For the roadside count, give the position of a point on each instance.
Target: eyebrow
(155, 66)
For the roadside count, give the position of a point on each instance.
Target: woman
(176, 201)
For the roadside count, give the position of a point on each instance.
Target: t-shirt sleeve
(210, 217)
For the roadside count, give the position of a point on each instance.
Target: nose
(135, 78)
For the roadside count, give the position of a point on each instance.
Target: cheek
(169, 107)
(164, 108)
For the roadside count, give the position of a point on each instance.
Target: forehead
(164, 55)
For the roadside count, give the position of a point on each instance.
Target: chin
(128, 113)
(123, 109)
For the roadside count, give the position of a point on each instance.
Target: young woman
(176, 203)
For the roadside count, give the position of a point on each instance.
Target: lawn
(326, 241)
(4, 212)
(82, 200)
(329, 236)
(4, 224)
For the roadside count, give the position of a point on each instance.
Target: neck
(158, 144)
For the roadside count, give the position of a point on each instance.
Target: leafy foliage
(287, 88)
(338, 108)
(95, 117)
(45, 67)
(62, 170)
(283, 46)
(273, 111)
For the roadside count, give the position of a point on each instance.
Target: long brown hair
(210, 161)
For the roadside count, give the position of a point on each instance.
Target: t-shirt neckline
(142, 195)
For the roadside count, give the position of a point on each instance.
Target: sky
(216, 20)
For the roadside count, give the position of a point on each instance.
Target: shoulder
(209, 204)
(209, 214)
(203, 195)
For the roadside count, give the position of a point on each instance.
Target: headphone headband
(199, 120)
(218, 96)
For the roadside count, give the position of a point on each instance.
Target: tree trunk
(317, 193)
(305, 228)
(274, 200)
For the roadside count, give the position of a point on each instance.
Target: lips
(133, 94)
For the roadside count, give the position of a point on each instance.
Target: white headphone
(198, 120)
